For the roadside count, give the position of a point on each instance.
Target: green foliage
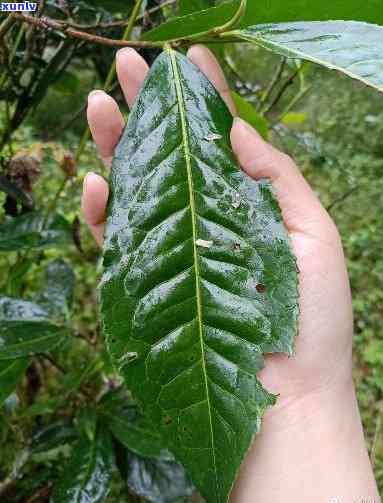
(198, 230)
(326, 43)
(88, 472)
(248, 113)
(31, 231)
(26, 329)
(57, 401)
(11, 371)
(268, 11)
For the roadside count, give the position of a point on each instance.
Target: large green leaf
(270, 11)
(87, 475)
(353, 48)
(29, 231)
(11, 371)
(199, 277)
(25, 329)
(190, 6)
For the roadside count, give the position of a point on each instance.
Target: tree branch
(48, 23)
(118, 24)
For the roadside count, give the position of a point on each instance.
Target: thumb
(301, 209)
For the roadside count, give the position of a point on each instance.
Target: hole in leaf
(236, 247)
(167, 420)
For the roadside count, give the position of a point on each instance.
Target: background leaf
(25, 329)
(130, 427)
(52, 436)
(158, 480)
(67, 83)
(212, 282)
(26, 232)
(247, 112)
(350, 47)
(57, 298)
(189, 6)
(269, 11)
(11, 371)
(87, 475)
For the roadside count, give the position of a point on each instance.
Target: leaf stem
(215, 33)
(48, 23)
(234, 21)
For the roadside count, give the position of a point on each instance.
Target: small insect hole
(261, 288)
(167, 420)
(236, 247)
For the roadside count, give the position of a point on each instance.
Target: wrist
(311, 448)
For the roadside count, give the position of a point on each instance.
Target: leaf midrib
(185, 143)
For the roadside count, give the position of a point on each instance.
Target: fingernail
(89, 177)
(124, 51)
(95, 93)
(240, 123)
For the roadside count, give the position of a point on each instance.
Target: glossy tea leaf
(199, 277)
(268, 11)
(11, 371)
(87, 475)
(25, 329)
(353, 48)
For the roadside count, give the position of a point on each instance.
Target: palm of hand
(323, 348)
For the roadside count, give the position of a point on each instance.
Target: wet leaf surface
(186, 325)
(87, 475)
(352, 48)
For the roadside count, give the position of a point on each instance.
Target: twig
(62, 371)
(293, 102)
(6, 26)
(119, 24)
(41, 7)
(45, 22)
(282, 90)
(273, 82)
(342, 198)
(18, 465)
(233, 22)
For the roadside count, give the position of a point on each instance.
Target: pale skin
(311, 447)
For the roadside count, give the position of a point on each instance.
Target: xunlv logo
(18, 7)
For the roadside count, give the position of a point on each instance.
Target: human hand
(316, 384)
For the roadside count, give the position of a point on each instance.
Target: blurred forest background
(331, 125)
